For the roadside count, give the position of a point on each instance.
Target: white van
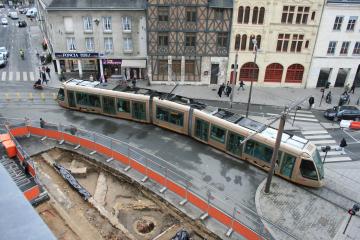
(14, 15)
(32, 12)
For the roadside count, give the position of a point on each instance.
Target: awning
(134, 63)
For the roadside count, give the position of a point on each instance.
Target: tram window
(233, 143)
(287, 165)
(201, 129)
(308, 170)
(263, 152)
(218, 133)
(123, 105)
(88, 99)
(138, 110)
(249, 147)
(167, 115)
(61, 95)
(109, 105)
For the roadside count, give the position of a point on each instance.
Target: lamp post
(234, 80)
(251, 83)
(297, 108)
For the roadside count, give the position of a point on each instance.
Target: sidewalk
(35, 43)
(280, 96)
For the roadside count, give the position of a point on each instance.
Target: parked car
(23, 10)
(22, 24)
(3, 60)
(2, 5)
(345, 112)
(31, 12)
(14, 15)
(3, 50)
(4, 21)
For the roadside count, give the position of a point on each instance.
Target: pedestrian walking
(47, 70)
(352, 89)
(221, 89)
(241, 85)
(343, 144)
(228, 90)
(311, 102)
(43, 77)
(42, 123)
(347, 88)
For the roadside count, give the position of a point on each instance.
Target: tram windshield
(61, 94)
(319, 164)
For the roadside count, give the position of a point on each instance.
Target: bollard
(42, 96)
(18, 96)
(7, 97)
(31, 98)
(54, 96)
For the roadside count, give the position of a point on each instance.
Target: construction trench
(119, 208)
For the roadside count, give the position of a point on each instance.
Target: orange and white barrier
(350, 124)
(162, 179)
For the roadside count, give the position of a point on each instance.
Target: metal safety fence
(236, 216)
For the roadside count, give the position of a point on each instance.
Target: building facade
(188, 41)
(336, 58)
(285, 32)
(102, 37)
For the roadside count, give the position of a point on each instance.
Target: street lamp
(297, 108)
(234, 79)
(251, 83)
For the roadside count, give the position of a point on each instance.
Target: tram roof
(224, 114)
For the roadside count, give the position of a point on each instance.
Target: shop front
(77, 63)
(129, 68)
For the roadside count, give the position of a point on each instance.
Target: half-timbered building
(188, 40)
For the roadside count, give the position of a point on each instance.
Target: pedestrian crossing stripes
(17, 76)
(318, 135)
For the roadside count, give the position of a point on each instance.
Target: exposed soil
(137, 215)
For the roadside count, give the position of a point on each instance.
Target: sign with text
(76, 55)
(112, 61)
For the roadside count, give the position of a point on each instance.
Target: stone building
(336, 58)
(188, 40)
(285, 32)
(102, 37)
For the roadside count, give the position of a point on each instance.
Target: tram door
(71, 99)
(287, 165)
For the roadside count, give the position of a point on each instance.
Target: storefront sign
(76, 55)
(112, 61)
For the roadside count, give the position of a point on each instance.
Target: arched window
(258, 40)
(294, 73)
(243, 42)
(241, 14)
(237, 42)
(273, 72)
(255, 15)
(249, 72)
(247, 15)
(251, 44)
(261, 15)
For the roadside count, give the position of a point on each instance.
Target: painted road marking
(333, 153)
(332, 147)
(302, 115)
(304, 111)
(305, 119)
(25, 76)
(3, 76)
(337, 159)
(32, 78)
(17, 78)
(313, 132)
(10, 76)
(318, 137)
(318, 142)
